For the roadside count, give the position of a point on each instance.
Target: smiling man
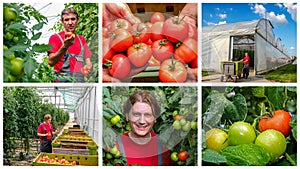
(70, 54)
(141, 146)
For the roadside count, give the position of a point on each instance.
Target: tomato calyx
(108, 63)
(178, 19)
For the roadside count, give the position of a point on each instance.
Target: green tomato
(17, 66)
(187, 126)
(109, 156)
(5, 48)
(10, 57)
(174, 156)
(11, 78)
(117, 155)
(216, 139)
(273, 142)
(194, 125)
(175, 113)
(176, 125)
(10, 14)
(127, 127)
(241, 133)
(114, 150)
(182, 122)
(15, 39)
(115, 119)
(9, 36)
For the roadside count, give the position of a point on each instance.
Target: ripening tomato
(216, 139)
(157, 17)
(273, 142)
(68, 34)
(175, 29)
(187, 51)
(120, 67)
(139, 54)
(194, 63)
(107, 51)
(85, 72)
(157, 31)
(162, 49)
(182, 156)
(280, 122)
(121, 40)
(118, 24)
(241, 133)
(172, 70)
(140, 33)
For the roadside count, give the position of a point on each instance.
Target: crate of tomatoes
(158, 48)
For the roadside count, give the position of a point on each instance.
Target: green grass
(207, 73)
(285, 74)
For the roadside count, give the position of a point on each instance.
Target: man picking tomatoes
(140, 146)
(70, 54)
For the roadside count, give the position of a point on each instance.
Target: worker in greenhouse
(70, 54)
(246, 69)
(46, 134)
(140, 146)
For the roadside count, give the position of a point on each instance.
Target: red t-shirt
(144, 155)
(73, 49)
(246, 60)
(41, 129)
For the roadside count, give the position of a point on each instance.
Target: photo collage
(103, 83)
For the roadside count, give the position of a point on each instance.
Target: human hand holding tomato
(69, 38)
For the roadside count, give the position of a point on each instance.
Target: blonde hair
(47, 117)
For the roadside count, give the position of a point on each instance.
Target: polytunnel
(74, 131)
(229, 42)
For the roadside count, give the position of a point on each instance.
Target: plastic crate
(84, 160)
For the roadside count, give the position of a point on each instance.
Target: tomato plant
(175, 29)
(180, 99)
(172, 70)
(157, 17)
(224, 107)
(162, 49)
(120, 66)
(139, 54)
(280, 121)
(187, 51)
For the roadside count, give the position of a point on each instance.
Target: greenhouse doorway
(241, 44)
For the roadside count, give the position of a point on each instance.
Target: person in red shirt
(70, 54)
(140, 146)
(46, 132)
(246, 68)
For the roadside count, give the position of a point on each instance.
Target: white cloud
(222, 16)
(210, 23)
(218, 9)
(211, 15)
(222, 23)
(292, 9)
(274, 18)
(292, 48)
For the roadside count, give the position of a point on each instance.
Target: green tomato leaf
(258, 91)
(16, 27)
(292, 89)
(245, 155)
(40, 48)
(38, 26)
(36, 36)
(293, 124)
(19, 47)
(237, 109)
(276, 97)
(29, 67)
(212, 156)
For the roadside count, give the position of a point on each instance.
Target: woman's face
(141, 119)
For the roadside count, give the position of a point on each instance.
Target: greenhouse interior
(74, 115)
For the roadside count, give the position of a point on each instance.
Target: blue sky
(283, 16)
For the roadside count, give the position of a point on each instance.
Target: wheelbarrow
(231, 71)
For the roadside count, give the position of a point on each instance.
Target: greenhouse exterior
(229, 42)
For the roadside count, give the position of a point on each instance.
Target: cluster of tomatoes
(11, 38)
(170, 43)
(46, 159)
(273, 131)
(180, 157)
(180, 123)
(111, 154)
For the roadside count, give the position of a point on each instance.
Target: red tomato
(193, 32)
(194, 63)
(107, 51)
(172, 70)
(139, 54)
(85, 71)
(175, 29)
(157, 31)
(68, 34)
(140, 33)
(280, 122)
(120, 67)
(121, 40)
(118, 24)
(182, 156)
(187, 51)
(105, 32)
(157, 17)
(162, 49)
